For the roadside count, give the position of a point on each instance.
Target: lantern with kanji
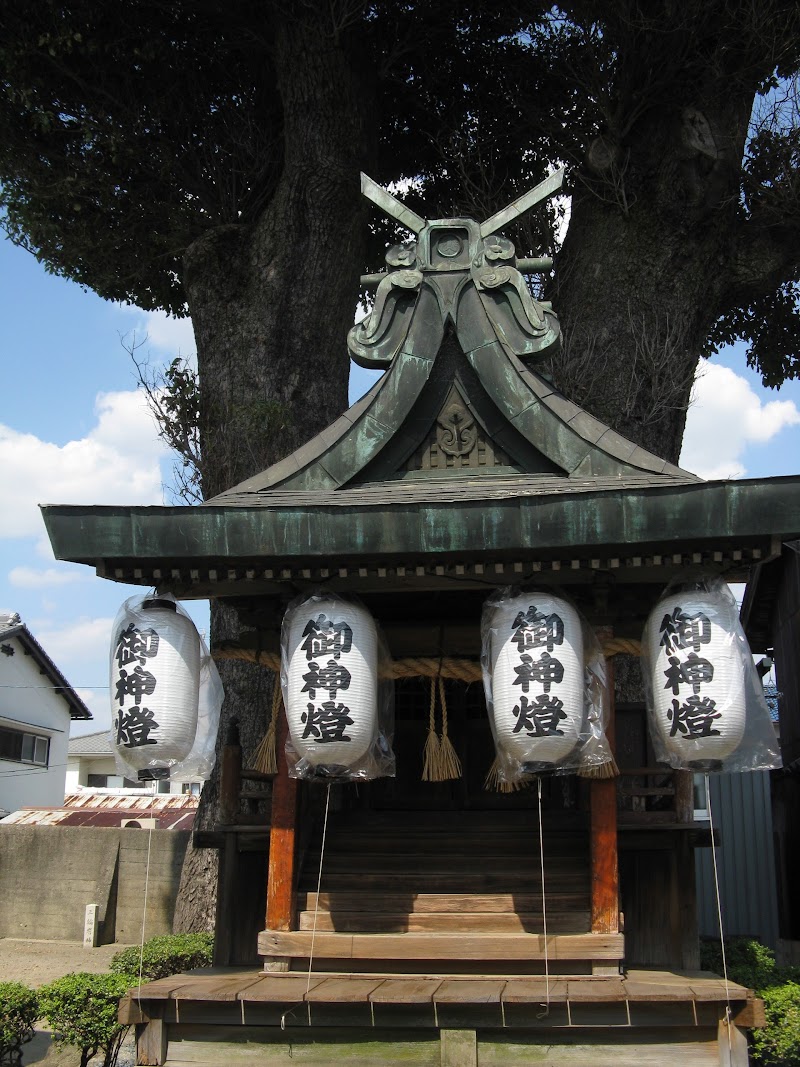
(534, 677)
(155, 682)
(696, 661)
(330, 681)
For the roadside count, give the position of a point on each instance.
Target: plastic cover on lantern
(699, 618)
(363, 711)
(192, 754)
(583, 744)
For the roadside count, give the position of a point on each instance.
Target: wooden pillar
(603, 833)
(281, 876)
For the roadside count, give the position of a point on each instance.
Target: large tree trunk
(271, 307)
(646, 265)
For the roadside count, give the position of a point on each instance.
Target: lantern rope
(544, 907)
(728, 1013)
(290, 1011)
(144, 912)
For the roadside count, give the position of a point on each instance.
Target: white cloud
(82, 642)
(30, 578)
(97, 701)
(725, 417)
(117, 462)
(161, 335)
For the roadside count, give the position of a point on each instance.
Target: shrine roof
(462, 451)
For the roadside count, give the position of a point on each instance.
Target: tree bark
(271, 306)
(646, 265)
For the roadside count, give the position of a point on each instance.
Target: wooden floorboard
(405, 991)
(469, 991)
(382, 988)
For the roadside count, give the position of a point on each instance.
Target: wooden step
(425, 922)
(440, 946)
(439, 902)
(436, 863)
(444, 882)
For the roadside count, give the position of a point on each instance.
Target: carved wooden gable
(456, 440)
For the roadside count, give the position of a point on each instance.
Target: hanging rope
(544, 907)
(290, 1011)
(266, 757)
(440, 762)
(728, 1014)
(430, 764)
(144, 912)
(450, 763)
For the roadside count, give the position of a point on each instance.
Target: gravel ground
(38, 962)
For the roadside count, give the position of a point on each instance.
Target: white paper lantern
(697, 678)
(155, 680)
(331, 680)
(537, 677)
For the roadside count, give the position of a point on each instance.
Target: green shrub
(169, 954)
(82, 1011)
(779, 1041)
(753, 965)
(19, 1010)
(750, 963)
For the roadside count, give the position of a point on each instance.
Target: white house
(37, 704)
(91, 765)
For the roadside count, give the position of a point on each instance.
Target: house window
(700, 798)
(97, 781)
(191, 787)
(22, 747)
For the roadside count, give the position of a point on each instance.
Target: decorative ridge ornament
(448, 256)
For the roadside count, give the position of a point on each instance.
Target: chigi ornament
(696, 666)
(155, 682)
(330, 679)
(534, 676)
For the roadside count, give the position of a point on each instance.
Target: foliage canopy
(126, 138)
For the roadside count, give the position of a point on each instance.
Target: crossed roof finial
(393, 207)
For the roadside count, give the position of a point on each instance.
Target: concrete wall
(48, 874)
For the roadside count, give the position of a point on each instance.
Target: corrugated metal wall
(740, 805)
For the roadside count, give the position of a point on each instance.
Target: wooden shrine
(422, 929)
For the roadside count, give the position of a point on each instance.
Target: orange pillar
(603, 835)
(281, 877)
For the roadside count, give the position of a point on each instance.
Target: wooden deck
(254, 1007)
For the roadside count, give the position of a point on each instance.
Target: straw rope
(440, 762)
(461, 670)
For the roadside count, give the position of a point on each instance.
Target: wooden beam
(281, 877)
(603, 833)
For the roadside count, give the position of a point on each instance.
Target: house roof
(173, 812)
(94, 744)
(11, 626)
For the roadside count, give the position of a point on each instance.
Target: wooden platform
(192, 1007)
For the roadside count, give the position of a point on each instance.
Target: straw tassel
(449, 761)
(440, 760)
(494, 783)
(265, 759)
(609, 769)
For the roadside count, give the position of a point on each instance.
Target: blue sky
(74, 429)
